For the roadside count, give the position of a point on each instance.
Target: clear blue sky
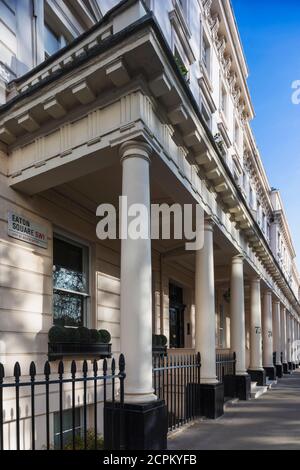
(270, 32)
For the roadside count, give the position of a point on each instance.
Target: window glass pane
(52, 43)
(68, 309)
(67, 426)
(68, 267)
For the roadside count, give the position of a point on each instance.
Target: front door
(176, 316)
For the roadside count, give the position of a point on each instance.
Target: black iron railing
(226, 365)
(96, 387)
(176, 380)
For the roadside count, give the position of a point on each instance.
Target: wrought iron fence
(53, 385)
(226, 365)
(176, 380)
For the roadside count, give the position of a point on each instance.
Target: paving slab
(271, 422)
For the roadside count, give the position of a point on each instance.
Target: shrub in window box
(159, 345)
(78, 342)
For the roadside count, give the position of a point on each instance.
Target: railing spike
(61, 368)
(32, 370)
(122, 363)
(113, 366)
(73, 369)
(95, 367)
(2, 372)
(17, 371)
(105, 366)
(47, 369)
(85, 367)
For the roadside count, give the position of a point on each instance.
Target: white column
(136, 281)
(288, 332)
(237, 314)
(297, 340)
(205, 340)
(267, 331)
(255, 327)
(293, 339)
(283, 334)
(277, 331)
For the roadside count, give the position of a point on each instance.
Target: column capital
(276, 302)
(255, 280)
(238, 259)
(209, 223)
(267, 293)
(135, 148)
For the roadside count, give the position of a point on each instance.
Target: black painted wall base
(136, 426)
(258, 376)
(285, 368)
(238, 386)
(212, 400)
(294, 366)
(291, 368)
(270, 373)
(279, 371)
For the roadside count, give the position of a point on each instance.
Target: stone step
(271, 383)
(253, 385)
(257, 391)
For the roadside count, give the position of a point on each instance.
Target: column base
(135, 426)
(285, 368)
(258, 376)
(238, 386)
(279, 370)
(270, 372)
(212, 400)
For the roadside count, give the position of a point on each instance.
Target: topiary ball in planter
(57, 334)
(84, 335)
(163, 340)
(94, 336)
(105, 336)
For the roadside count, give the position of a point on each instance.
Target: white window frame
(73, 240)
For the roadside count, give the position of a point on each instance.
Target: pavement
(271, 422)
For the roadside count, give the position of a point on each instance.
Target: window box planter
(58, 351)
(78, 343)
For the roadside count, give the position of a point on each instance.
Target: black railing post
(60, 376)
(32, 373)
(85, 371)
(95, 370)
(2, 375)
(122, 376)
(234, 363)
(17, 374)
(47, 372)
(73, 376)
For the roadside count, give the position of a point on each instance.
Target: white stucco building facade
(100, 99)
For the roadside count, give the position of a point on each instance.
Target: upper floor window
(184, 6)
(205, 53)
(206, 114)
(268, 231)
(224, 99)
(53, 42)
(70, 283)
(237, 133)
(181, 65)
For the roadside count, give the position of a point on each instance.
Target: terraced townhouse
(147, 99)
